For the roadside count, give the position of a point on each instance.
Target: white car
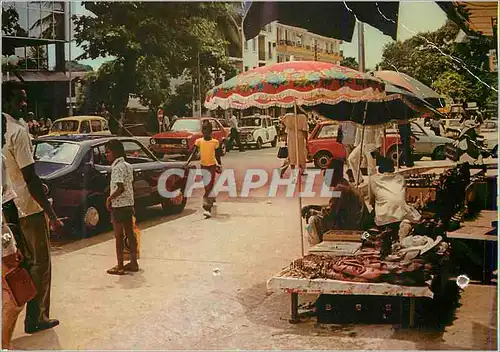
(489, 130)
(427, 143)
(257, 130)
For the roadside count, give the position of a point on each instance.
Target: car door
(423, 144)
(271, 129)
(264, 131)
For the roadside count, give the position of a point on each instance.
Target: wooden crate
(343, 236)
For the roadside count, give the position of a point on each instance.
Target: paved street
(203, 286)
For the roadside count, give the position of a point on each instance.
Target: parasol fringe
(303, 98)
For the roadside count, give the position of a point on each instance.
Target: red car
(322, 144)
(182, 135)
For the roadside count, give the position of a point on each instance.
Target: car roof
(255, 115)
(81, 118)
(82, 139)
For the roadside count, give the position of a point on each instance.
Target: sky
(414, 17)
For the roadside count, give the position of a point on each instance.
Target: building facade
(280, 43)
(37, 33)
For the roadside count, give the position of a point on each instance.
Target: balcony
(307, 52)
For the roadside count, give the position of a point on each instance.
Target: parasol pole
(397, 148)
(362, 141)
(299, 179)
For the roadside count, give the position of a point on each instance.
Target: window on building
(270, 50)
(254, 44)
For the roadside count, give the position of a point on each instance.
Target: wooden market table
(295, 286)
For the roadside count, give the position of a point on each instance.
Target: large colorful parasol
(304, 83)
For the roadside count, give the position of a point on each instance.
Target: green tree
(431, 58)
(350, 62)
(151, 43)
(452, 85)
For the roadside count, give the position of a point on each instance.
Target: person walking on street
(365, 143)
(436, 125)
(33, 206)
(121, 205)
(296, 130)
(405, 134)
(166, 123)
(235, 134)
(210, 159)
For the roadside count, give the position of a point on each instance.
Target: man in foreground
(33, 206)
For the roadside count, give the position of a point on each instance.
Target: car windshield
(186, 125)
(56, 152)
(65, 126)
(251, 122)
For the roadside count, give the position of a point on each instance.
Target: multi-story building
(279, 43)
(301, 45)
(36, 32)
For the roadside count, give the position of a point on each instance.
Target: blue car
(76, 176)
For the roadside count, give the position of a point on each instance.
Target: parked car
(322, 144)
(489, 131)
(428, 144)
(257, 130)
(138, 132)
(91, 125)
(182, 135)
(76, 176)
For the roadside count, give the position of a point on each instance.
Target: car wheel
(259, 143)
(439, 153)
(393, 154)
(94, 217)
(322, 159)
(274, 143)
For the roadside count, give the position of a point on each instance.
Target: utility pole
(315, 50)
(361, 46)
(70, 25)
(199, 84)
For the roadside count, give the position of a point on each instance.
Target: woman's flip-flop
(116, 271)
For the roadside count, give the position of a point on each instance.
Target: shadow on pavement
(146, 218)
(45, 340)
(273, 310)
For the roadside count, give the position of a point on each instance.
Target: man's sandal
(116, 271)
(131, 268)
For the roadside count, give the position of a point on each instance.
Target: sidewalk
(203, 286)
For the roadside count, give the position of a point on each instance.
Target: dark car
(76, 174)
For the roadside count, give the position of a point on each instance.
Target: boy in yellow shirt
(210, 153)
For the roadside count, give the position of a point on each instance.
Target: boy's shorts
(122, 214)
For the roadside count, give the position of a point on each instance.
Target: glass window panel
(47, 25)
(59, 6)
(21, 4)
(34, 23)
(35, 4)
(51, 56)
(20, 29)
(59, 26)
